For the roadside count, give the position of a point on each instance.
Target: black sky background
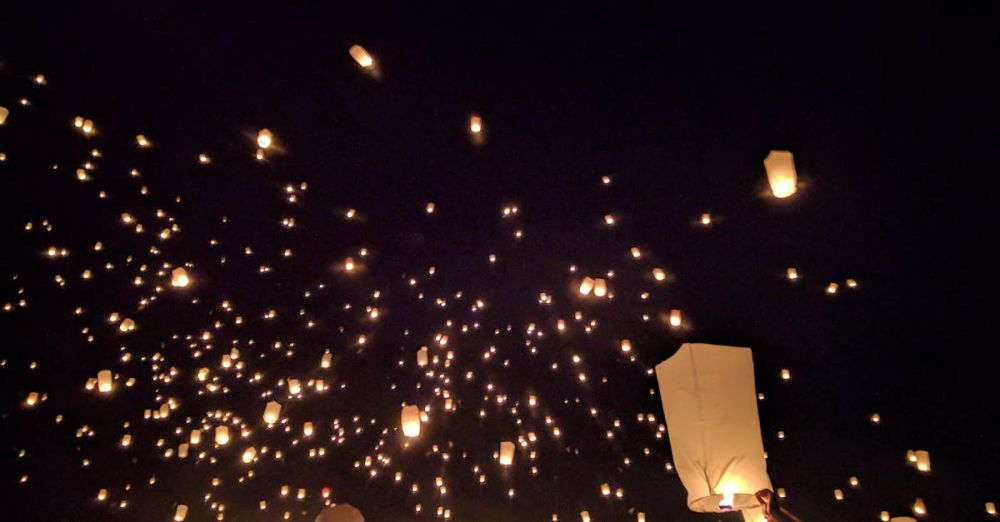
(885, 107)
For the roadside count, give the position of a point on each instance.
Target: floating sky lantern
(659, 274)
(710, 406)
(475, 124)
(3, 114)
(222, 435)
(780, 166)
(675, 318)
(126, 326)
(422, 356)
(586, 285)
(143, 141)
(264, 139)
(923, 461)
(105, 382)
(180, 513)
(410, 420)
(600, 287)
(991, 509)
(506, 453)
(919, 507)
(272, 412)
(248, 455)
(179, 278)
(361, 56)
(792, 273)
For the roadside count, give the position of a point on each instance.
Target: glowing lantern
(923, 461)
(361, 56)
(340, 513)
(838, 494)
(181, 513)
(409, 418)
(792, 273)
(325, 361)
(264, 138)
(675, 318)
(585, 516)
(248, 455)
(222, 435)
(606, 489)
(586, 286)
(786, 375)
(32, 399)
(991, 509)
(307, 429)
(272, 412)
(626, 345)
(142, 141)
(710, 406)
(884, 516)
(600, 287)
(195, 438)
(182, 450)
(475, 124)
(780, 166)
(3, 114)
(179, 278)
(294, 387)
(104, 381)
(422, 356)
(659, 274)
(832, 288)
(506, 453)
(919, 508)
(127, 325)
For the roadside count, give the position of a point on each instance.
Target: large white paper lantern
(105, 382)
(780, 166)
(710, 405)
(272, 412)
(340, 513)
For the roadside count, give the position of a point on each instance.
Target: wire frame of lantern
(710, 405)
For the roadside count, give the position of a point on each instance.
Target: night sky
(884, 109)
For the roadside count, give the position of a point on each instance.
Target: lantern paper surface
(710, 405)
(780, 166)
(340, 513)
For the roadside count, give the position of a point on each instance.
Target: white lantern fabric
(340, 513)
(780, 167)
(710, 404)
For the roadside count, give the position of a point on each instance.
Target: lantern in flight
(105, 382)
(180, 513)
(422, 356)
(923, 461)
(475, 124)
(3, 114)
(410, 420)
(179, 278)
(600, 287)
(272, 412)
(780, 166)
(222, 435)
(710, 405)
(586, 286)
(264, 138)
(506, 453)
(361, 56)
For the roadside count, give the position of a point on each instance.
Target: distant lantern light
(838, 494)
(854, 482)
(422, 357)
(272, 412)
(506, 453)
(264, 138)
(919, 508)
(710, 408)
(475, 124)
(659, 274)
(143, 141)
(179, 278)
(127, 325)
(786, 375)
(587, 285)
(361, 56)
(430, 208)
(831, 288)
(991, 509)
(706, 219)
(875, 418)
(349, 265)
(626, 345)
(248, 455)
(792, 273)
(409, 418)
(105, 382)
(780, 166)
(180, 513)
(3, 114)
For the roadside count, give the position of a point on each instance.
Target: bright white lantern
(3, 114)
(710, 405)
(410, 420)
(422, 356)
(264, 138)
(780, 166)
(222, 435)
(506, 453)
